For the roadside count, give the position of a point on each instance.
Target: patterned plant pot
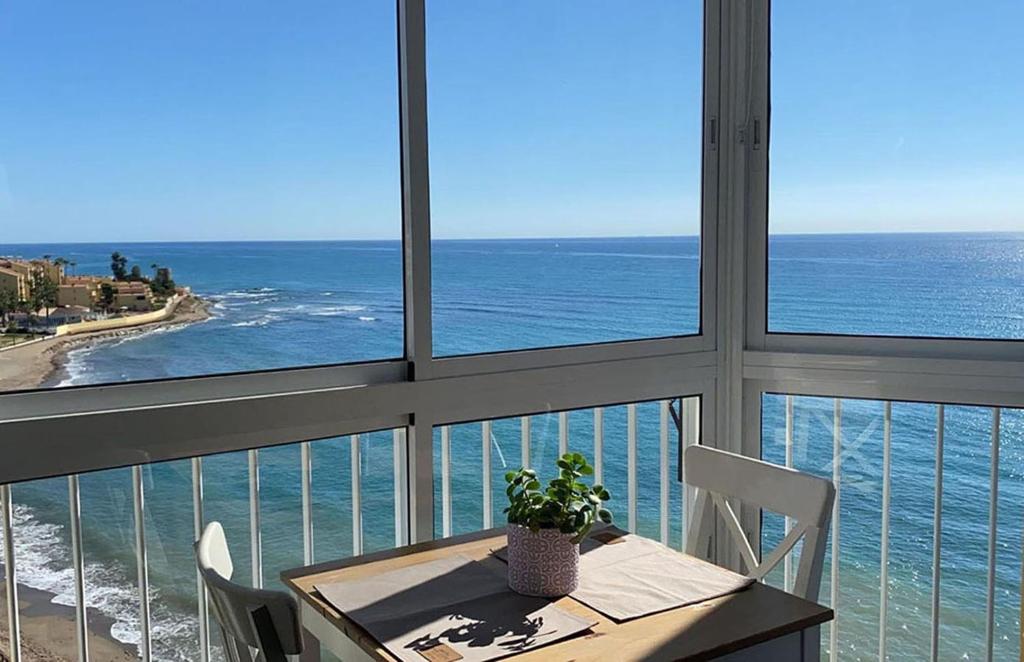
(544, 564)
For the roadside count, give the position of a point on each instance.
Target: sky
(127, 121)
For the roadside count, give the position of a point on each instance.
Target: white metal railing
(630, 432)
(683, 412)
(885, 478)
(143, 587)
(10, 573)
(688, 418)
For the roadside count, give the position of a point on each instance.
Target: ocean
(287, 304)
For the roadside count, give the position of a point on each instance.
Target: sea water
(288, 304)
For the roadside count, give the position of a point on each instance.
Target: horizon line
(551, 238)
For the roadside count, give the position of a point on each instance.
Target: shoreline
(39, 364)
(49, 631)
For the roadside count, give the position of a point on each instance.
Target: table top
(697, 632)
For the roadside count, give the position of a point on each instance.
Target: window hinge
(755, 133)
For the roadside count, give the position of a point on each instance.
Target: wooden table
(759, 623)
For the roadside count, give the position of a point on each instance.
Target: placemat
(450, 609)
(625, 576)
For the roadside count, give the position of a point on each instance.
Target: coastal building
(69, 315)
(52, 270)
(82, 292)
(14, 281)
(133, 296)
(23, 267)
(17, 275)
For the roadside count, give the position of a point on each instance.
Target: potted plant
(545, 526)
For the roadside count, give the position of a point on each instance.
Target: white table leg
(331, 638)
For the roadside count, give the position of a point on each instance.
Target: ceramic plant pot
(544, 564)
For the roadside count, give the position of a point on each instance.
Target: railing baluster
(524, 441)
(142, 563)
(787, 564)
(598, 445)
(11, 575)
(77, 559)
(357, 495)
(631, 497)
(563, 433)
(883, 608)
(993, 531)
(306, 459)
(400, 455)
(198, 522)
(837, 462)
(446, 480)
(940, 435)
(485, 430)
(690, 413)
(663, 467)
(255, 533)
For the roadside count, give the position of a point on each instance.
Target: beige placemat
(631, 576)
(450, 609)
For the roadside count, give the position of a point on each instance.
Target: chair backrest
(267, 621)
(805, 499)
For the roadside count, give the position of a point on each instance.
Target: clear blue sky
(190, 120)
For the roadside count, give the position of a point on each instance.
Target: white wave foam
(44, 564)
(75, 367)
(335, 311)
(367, 319)
(261, 293)
(259, 321)
(76, 364)
(315, 310)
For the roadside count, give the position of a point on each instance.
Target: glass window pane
(251, 151)
(565, 175)
(895, 196)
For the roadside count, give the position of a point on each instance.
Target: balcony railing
(337, 496)
(922, 560)
(924, 554)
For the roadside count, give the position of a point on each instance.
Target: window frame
(53, 432)
(759, 336)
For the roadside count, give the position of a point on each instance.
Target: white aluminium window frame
(932, 370)
(946, 370)
(74, 430)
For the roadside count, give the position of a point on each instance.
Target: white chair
(805, 499)
(266, 621)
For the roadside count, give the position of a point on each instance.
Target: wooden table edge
(820, 616)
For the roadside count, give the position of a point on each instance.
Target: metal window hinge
(754, 133)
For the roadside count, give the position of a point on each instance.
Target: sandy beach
(48, 631)
(32, 365)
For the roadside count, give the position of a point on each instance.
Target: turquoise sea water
(289, 304)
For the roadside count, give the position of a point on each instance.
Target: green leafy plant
(566, 504)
